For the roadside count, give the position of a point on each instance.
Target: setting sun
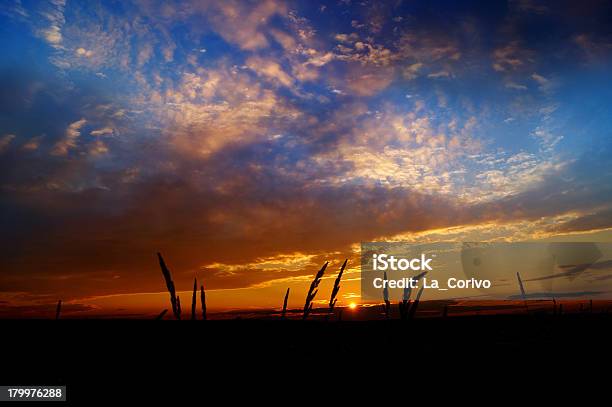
(352, 305)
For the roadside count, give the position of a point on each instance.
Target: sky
(250, 142)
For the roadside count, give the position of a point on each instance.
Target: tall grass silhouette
(404, 304)
(387, 305)
(284, 312)
(203, 302)
(161, 314)
(174, 300)
(333, 299)
(312, 292)
(193, 299)
(58, 309)
(415, 304)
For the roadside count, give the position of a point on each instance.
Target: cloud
(601, 219)
(529, 6)
(284, 39)
(204, 216)
(145, 53)
(544, 83)
(70, 137)
(210, 110)
(5, 141)
(515, 86)
(271, 70)
(240, 24)
(84, 52)
(440, 74)
(98, 148)
(32, 144)
(105, 131)
(595, 49)
(411, 71)
(365, 80)
(54, 15)
(508, 58)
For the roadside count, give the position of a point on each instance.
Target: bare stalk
(203, 302)
(333, 299)
(176, 309)
(285, 304)
(387, 306)
(193, 300)
(312, 292)
(415, 304)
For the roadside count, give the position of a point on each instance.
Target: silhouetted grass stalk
(404, 304)
(415, 304)
(333, 299)
(176, 307)
(58, 309)
(284, 312)
(203, 302)
(312, 292)
(193, 300)
(387, 306)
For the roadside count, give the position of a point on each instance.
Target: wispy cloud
(70, 138)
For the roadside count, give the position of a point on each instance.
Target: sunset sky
(250, 142)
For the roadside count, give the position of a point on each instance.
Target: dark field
(172, 358)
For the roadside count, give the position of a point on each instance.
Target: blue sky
(292, 129)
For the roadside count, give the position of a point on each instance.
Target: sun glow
(352, 305)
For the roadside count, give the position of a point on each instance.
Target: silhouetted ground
(101, 358)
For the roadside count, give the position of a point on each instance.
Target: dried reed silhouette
(333, 299)
(161, 314)
(523, 293)
(404, 304)
(58, 309)
(405, 307)
(176, 309)
(312, 292)
(415, 304)
(522, 288)
(193, 300)
(284, 312)
(387, 306)
(203, 302)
